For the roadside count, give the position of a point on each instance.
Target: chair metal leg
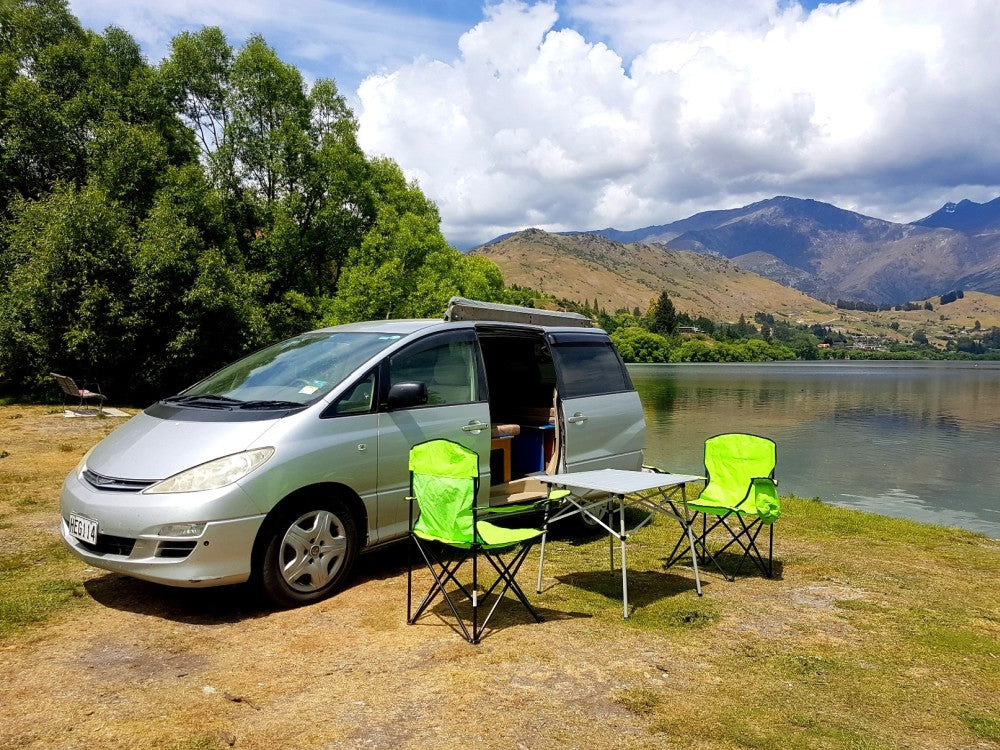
(541, 553)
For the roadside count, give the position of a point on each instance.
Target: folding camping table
(651, 491)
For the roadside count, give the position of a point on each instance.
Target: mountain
(965, 216)
(585, 267)
(832, 253)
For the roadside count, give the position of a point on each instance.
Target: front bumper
(129, 539)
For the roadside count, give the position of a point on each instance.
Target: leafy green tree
(284, 155)
(664, 318)
(65, 305)
(694, 350)
(639, 345)
(156, 222)
(404, 267)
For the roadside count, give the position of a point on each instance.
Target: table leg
(687, 526)
(541, 561)
(621, 517)
(611, 544)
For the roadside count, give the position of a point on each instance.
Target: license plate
(83, 529)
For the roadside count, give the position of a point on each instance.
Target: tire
(601, 512)
(310, 550)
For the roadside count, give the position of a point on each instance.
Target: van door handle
(475, 426)
(577, 418)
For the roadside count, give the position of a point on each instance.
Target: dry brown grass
(584, 268)
(877, 633)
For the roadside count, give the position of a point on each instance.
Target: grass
(876, 633)
(34, 587)
(38, 576)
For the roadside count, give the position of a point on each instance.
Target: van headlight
(214, 474)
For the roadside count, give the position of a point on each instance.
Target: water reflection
(917, 440)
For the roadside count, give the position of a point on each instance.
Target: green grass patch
(808, 665)
(983, 726)
(640, 701)
(34, 587)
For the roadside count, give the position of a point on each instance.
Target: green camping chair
(741, 494)
(447, 531)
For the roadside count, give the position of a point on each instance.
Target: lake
(918, 440)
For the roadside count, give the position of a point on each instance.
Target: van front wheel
(310, 551)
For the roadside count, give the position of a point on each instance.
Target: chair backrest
(444, 477)
(66, 383)
(732, 460)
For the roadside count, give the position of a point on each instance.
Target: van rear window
(590, 369)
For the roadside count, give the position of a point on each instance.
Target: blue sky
(582, 114)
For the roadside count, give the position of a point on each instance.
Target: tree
(65, 305)
(664, 319)
(284, 155)
(639, 345)
(404, 267)
(156, 222)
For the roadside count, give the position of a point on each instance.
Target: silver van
(282, 466)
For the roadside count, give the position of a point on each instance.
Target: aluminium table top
(618, 481)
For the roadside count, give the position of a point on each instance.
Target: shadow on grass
(209, 606)
(645, 587)
(730, 562)
(218, 605)
(510, 612)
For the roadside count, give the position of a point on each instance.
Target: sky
(586, 114)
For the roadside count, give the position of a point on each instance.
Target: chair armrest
(513, 508)
(764, 493)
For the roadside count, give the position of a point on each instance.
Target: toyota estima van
(284, 465)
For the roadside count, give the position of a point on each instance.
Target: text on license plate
(83, 529)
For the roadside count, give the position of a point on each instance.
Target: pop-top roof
(460, 308)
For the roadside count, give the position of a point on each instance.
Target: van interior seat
(451, 383)
(505, 430)
(517, 491)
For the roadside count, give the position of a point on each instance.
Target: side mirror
(406, 395)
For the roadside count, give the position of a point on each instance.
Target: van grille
(114, 484)
(111, 545)
(174, 549)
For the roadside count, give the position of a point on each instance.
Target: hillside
(832, 253)
(943, 322)
(583, 268)
(587, 267)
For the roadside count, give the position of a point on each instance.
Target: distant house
(870, 343)
(689, 330)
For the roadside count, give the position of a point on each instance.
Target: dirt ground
(130, 664)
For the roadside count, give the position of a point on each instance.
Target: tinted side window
(589, 369)
(449, 369)
(358, 400)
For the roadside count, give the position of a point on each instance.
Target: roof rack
(460, 308)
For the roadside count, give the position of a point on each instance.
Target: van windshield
(290, 373)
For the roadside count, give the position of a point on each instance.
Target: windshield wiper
(263, 404)
(210, 400)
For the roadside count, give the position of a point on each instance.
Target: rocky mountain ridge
(831, 253)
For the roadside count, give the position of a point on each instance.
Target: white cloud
(694, 106)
